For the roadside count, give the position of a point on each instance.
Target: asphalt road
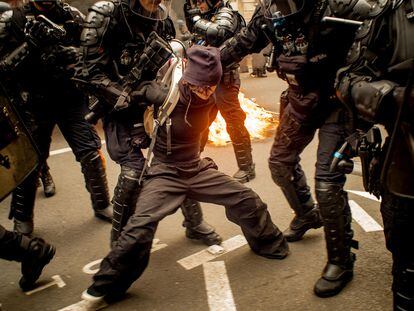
(236, 280)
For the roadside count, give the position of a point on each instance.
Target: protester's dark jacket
(188, 120)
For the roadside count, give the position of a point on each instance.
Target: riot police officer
(214, 22)
(306, 54)
(37, 55)
(113, 40)
(378, 86)
(18, 157)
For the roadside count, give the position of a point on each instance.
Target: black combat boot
(38, 254)
(95, 179)
(240, 138)
(292, 182)
(196, 227)
(261, 72)
(49, 188)
(301, 223)
(33, 253)
(22, 204)
(336, 214)
(124, 200)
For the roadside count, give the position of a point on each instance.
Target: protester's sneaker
(89, 302)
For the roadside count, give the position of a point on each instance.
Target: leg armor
(33, 253)
(196, 227)
(22, 204)
(403, 287)
(125, 199)
(292, 181)
(336, 215)
(95, 179)
(49, 187)
(243, 150)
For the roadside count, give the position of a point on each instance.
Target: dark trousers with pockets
(163, 192)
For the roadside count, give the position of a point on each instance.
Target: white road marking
(203, 256)
(156, 246)
(64, 150)
(363, 219)
(84, 305)
(57, 280)
(88, 267)
(219, 295)
(365, 195)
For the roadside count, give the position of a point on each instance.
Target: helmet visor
(275, 9)
(43, 5)
(151, 9)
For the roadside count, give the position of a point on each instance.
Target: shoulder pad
(96, 22)
(5, 20)
(6, 16)
(105, 8)
(227, 19)
(358, 9)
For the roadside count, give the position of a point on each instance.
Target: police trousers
(398, 218)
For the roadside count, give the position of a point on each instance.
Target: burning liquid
(259, 122)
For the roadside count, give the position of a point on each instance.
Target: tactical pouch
(303, 104)
(230, 77)
(293, 70)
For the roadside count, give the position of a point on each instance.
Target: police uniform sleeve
(5, 21)
(95, 52)
(224, 24)
(359, 84)
(251, 39)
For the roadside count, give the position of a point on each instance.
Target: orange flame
(259, 122)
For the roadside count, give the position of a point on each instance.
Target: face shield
(279, 10)
(151, 9)
(43, 5)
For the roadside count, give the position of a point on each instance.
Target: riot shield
(18, 154)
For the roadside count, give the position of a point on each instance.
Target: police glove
(149, 93)
(372, 99)
(191, 16)
(38, 32)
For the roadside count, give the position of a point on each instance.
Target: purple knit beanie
(203, 66)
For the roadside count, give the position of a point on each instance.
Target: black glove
(191, 16)
(38, 32)
(149, 93)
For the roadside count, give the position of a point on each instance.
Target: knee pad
(333, 201)
(282, 174)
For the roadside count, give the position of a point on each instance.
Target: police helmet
(151, 9)
(4, 7)
(211, 4)
(282, 9)
(44, 5)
